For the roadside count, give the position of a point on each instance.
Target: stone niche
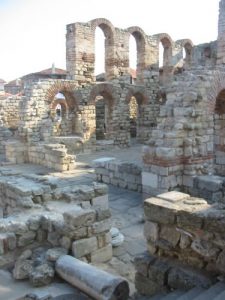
(185, 241)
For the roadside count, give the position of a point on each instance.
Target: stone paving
(127, 215)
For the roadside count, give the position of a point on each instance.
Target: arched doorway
(64, 115)
(137, 115)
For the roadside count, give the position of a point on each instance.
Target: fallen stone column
(96, 283)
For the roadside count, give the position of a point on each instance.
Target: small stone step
(173, 295)
(221, 296)
(192, 294)
(212, 292)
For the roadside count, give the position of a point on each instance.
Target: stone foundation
(53, 156)
(37, 214)
(126, 175)
(183, 230)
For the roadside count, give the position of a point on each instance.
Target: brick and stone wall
(126, 175)
(221, 33)
(81, 55)
(185, 243)
(53, 156)
(38, 214)
(182, 143)
(9, 119)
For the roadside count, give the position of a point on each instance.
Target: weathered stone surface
(142, 263)
(184, 278)
(204, 248)
(160, 211)
(158, 271)
(85, 246)
(78, 218)
(101, 226)
(102, 255)
(26, 239)
(42, 275)
(146, 286)
(185, 241)
(23, 269)
(220, 263)
(151, 231)
(174, 196)
(170, 234)
(54, 253)
(94, 282)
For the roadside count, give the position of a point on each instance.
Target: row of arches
(67, 111)
(138, 46)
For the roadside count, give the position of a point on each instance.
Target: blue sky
(33, 31)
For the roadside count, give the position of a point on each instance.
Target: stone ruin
(176, 112)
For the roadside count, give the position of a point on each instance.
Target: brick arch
(104, 89)
(165, 39)
(140, 38)
(167, 43)
(107, 28)
(185, 42)
(138, 34)
(216, 88)
(188, 45)
(68, 89)
(138, 93)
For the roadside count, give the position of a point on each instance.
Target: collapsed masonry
(177, 111)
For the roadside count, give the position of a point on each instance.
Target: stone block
(205, 249)
(152, 248)
(166, 153)
(189, 220)
(3, 243)
(79, 217)
(160, 211)
(142, 263)
(102, 255)
(173, 196)
(101, 226)
(145, 286)
(101, 202)
(103, 161)
(26, 239)
(150, 179)
(11, 241)
(210, 183)
(22, 269)
(158, 271)
(186, 278)
(151, 231)
(170, 234)
(85, 246)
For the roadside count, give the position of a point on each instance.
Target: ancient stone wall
(182, 143)
(9, 119)
(185, 243)
(122, 174)
(221, 34)
(81, 53)
(74, 218)
(40, 122)
(205, 54)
